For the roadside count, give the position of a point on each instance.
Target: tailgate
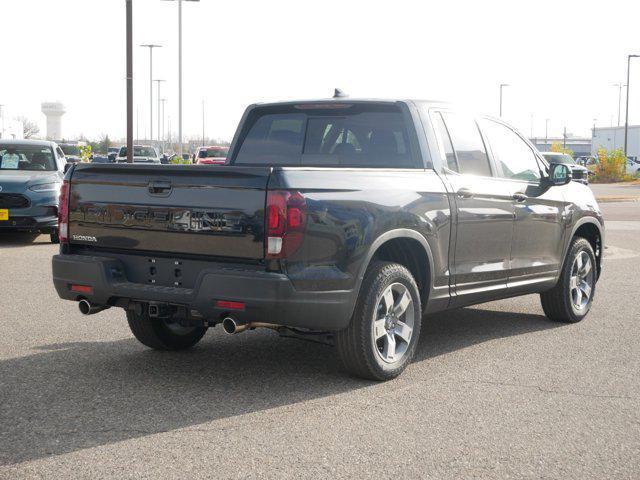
(190, 209)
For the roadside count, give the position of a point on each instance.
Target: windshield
(564, 158)
(213, 153)
(72, 150)
(26, 157)
(139, 152)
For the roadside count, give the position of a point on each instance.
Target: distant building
(611, 138)
(580, 146)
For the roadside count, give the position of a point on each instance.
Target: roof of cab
(40, 143)
(341, 100)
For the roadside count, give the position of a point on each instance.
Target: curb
(612, 199)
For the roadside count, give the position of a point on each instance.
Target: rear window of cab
(334, 134)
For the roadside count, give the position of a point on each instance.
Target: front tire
(571, 299)
(160, 334)
(383, 334)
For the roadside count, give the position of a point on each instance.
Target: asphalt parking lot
(496, 391)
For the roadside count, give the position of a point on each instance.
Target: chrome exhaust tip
(230, 326)
(88, 308)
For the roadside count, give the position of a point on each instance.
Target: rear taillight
(63, 213)
(285, 219)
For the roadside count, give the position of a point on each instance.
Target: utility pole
(159, 82)
(151, 46)
(129, 82)
(203, 123)
(564, 138)
(626, 118)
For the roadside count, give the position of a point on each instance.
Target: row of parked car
(211, 155)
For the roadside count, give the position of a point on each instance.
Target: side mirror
(559, 174)
(67, 166)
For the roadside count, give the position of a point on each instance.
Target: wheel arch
(406, 247)
(591, 230)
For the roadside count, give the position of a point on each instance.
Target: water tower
(53, 111)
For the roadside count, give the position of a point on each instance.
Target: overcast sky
(561, 58)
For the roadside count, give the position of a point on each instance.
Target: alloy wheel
(581, 281)
(393, 323)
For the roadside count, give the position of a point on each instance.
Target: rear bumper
(268, 297)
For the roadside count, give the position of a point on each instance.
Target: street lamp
(180, 71)
(626, 115)
(151, 46)
(502, 85)
(158, 82)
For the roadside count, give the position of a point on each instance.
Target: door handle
(159, 187)
(464, 193)
(519, 197)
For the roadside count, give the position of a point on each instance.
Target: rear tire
(383, 334)
(158, 334)
(571, 299)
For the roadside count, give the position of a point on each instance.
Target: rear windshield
(213, 153)
(26, 157)
(363, 135)
(139, 152)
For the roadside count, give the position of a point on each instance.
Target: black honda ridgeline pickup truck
(349, 217)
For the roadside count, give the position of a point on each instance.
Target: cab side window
(468, 145)
(445, 142)
(513, 156)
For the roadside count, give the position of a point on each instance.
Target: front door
(536, 255)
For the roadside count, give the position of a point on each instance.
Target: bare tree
(29, 129)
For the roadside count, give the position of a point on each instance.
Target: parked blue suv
(31, 173)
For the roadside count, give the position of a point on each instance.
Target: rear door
(484, 209)
(183, 209)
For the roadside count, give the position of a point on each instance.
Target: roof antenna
(337, 93)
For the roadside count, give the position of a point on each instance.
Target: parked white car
(633, 167)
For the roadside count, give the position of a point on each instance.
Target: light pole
(531, 127)
(502, 85)
(619, 85)
(151, 46)
(180, 71)
(203, 123)
(158, 82)
(626, 114)
(546, 133)
(129, 55)
(163, 101)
